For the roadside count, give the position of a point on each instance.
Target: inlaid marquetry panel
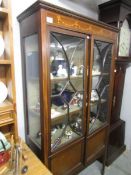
(77, 25)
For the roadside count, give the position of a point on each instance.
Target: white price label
(49, 19)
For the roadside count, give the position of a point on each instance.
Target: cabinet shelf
(65, 139)
(95, 125)
(98, 74)
(60, 113)
(36, 141)
(6, 106)
(34, 113)
(96, 102)
(55, 79)
(3, 12)
(5, 62)
(6, 121)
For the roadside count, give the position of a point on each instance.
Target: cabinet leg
(103, 164)
(103, 170)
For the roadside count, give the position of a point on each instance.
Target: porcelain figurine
(75, 70)
(61, 71)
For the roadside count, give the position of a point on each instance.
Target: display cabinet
(121, 18)
(8, 122)
(67, 74)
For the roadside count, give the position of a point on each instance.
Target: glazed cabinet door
(99, 101)
(67, 87)
(100, 84)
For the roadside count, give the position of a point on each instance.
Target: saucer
(3, 92)
(2, 46)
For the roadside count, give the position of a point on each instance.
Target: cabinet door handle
(114, 101)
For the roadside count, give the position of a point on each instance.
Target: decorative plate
(3, 92)
(2, 46)
(0, 2)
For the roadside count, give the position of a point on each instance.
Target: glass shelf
(57, 113)
(65, 78)
(93, 103)
(35, 112)
(95, 124)
(36, 141)
(99, 74)
(56, 140)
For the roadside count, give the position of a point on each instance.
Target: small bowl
(2, 45)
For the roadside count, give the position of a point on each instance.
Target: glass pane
(100, 84)
(67, 56)
(32, 88)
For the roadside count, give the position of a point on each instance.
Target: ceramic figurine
(75, 69)
(81, 69)
(61, 71)
(68, 134)
(94, 96)
(51, 76)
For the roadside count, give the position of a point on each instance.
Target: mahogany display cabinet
(68, 63)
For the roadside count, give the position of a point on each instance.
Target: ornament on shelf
(75, 70)
(81, 69)
(3, 92)
(61, 71)
(94, 95)
(2, 45)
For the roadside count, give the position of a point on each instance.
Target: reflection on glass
(100, 84)
(67, 55)
(32, 89)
